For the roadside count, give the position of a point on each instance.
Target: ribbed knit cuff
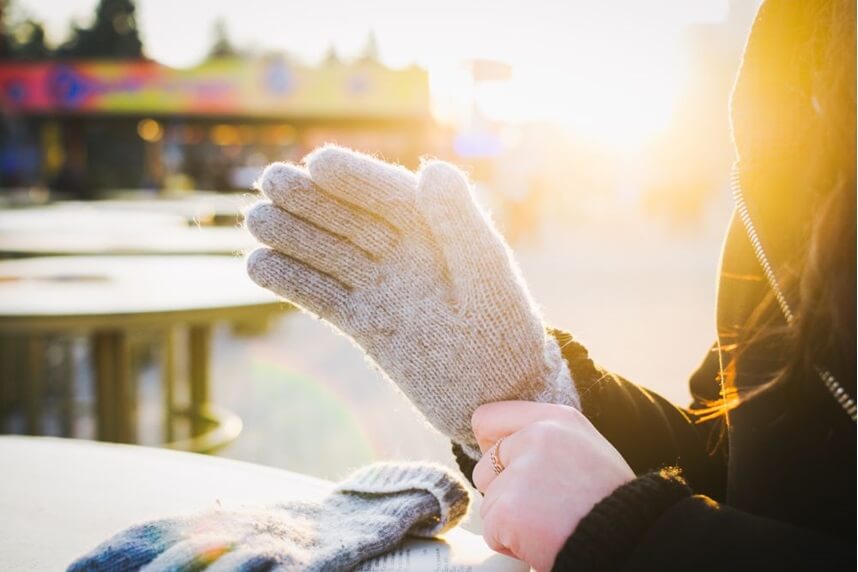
(606, 537)
(387, 478)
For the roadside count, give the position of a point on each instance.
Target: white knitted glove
(411, 269)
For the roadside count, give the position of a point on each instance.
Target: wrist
(606, 537)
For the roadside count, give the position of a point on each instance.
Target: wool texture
(411, 268)
(367, 514)
(606, 536)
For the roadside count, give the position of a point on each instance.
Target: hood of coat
(772, 114)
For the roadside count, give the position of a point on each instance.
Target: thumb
(478, 259)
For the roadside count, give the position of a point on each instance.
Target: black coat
(770, 484)
(776, 491)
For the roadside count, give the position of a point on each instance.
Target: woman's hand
(557, 467)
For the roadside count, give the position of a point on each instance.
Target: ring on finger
(494, 456)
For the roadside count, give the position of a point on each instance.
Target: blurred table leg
(67, 408)
(102, 366)
(199, 342)
(113, 386)
(124, 419)
(127, 399)
(33, 383)
(8, 379)
(168, 365)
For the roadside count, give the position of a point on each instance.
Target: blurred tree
(21, 37)
(112, 35)
(222, 46)
(28, 41)
(5, 42)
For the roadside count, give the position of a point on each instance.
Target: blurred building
(81, 127)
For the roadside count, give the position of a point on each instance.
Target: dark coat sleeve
(655, 522)
(650, 432)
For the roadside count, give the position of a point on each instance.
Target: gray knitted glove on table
(412, 270)
(368, 514)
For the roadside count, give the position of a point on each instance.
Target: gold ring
(494, 455)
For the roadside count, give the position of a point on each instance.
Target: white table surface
(60, 497)
(118, 286)
(195, 206)
(86, 229)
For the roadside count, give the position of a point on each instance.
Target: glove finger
(472, 247)
(305, 287)
(311, 245)
(291, 188)
(384, 189)
(130, 549)
(191, 554)
(243, 561)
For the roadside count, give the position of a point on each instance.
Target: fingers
(472, 247)
(497, 517)
(484, 471)
(290, 188)
(381, 188)
(298, 239)
(494, 421)
(306, 287)
(149, 540)
(507, 451)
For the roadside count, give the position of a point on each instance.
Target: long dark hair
(820, 278)
(825, 320)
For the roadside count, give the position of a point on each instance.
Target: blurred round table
(83, 229)
(197, 207)
(83, 217)
(60, 498)
(107, 298)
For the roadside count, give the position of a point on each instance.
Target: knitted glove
(411, 269)
(367, 515)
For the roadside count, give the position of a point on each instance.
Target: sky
(620, 60)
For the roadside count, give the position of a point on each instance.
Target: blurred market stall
(89, 126)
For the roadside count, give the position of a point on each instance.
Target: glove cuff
(559, 387)
(387, 478)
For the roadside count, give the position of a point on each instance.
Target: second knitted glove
(412, 270)
(367, 515)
